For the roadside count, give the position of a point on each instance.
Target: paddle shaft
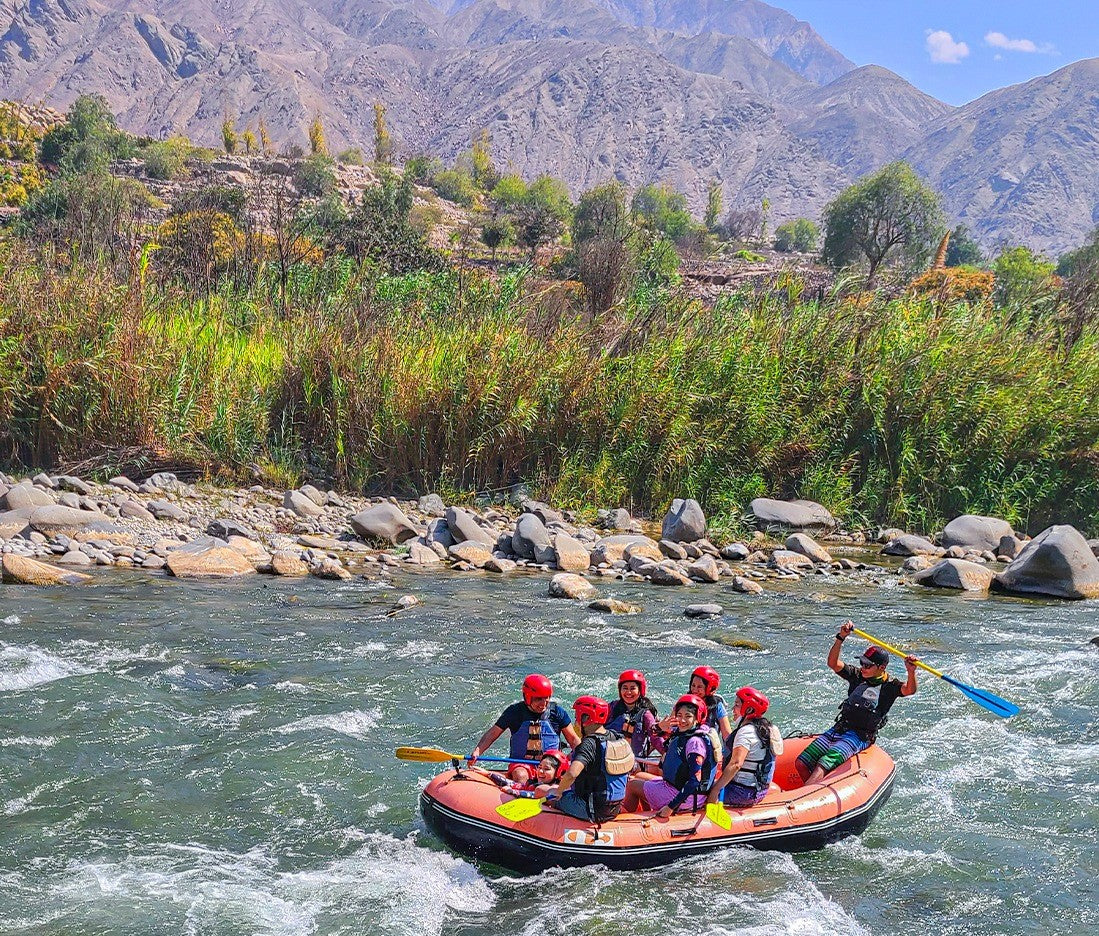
(891, 649)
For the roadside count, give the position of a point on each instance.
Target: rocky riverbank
(52, 527)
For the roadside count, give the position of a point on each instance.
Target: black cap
(875, 656)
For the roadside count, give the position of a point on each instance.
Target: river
(183, 758)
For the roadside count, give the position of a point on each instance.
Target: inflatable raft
(460, 807)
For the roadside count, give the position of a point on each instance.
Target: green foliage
(456, 185)
(749, 256)
(602, 212)
(800, 236)
(713, 206)
(605, 245)
(318, 143)
(1022, 278)
(313, 176)
(482, 168)
(662, 209)
(229, 138)
(18, 139)
(497, 233)
(225, 199)
(542, 215)
(887, 216)
(380, 228)
(88, 140)
(963, 250)
(509, 192)
(353, 156)
(167, 160)
(383, 142)
(422, 169)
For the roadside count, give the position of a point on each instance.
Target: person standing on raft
(594, 786)
(871, 693)
(536, 724)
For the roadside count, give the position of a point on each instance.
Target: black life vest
(859, 711)
(601, 790)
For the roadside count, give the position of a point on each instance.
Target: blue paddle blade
(993, 703)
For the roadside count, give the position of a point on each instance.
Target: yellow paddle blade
(426, 755)
(517, 810)
(719, 815)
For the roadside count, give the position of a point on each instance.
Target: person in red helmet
(632, 714)
(704, 683)
(593, 787)
(754, 745)
(689, 767)
(537, 724)
(870, 695)
(549, 770)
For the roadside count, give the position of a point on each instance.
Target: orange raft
(460, 807)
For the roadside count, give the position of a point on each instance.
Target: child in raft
(689, 767)
(549, 770)
(632, 714)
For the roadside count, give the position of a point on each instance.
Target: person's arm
(485, 743)
(724, 726)
(844, 632)
(569, 777)
(735, 763)
(570, 734)
(909, 688)
(694, 781)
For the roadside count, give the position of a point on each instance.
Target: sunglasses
(867, 664)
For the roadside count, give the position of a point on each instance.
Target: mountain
(683, 91)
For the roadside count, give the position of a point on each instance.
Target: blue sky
(957, 51)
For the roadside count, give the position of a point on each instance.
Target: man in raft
(871, 693)
(536, 724)
(594, 786)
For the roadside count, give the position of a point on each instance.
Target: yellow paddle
(517, 810)
(719, 815)
(427, 755)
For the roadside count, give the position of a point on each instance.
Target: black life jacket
(859, 711)
(599, 788)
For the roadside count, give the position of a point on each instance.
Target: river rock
(69, 499)
(684, 522)
(746, 586)
(316, 495)
(911, 545)
(23, 495)
(704, 569)
(643, 549)
(43, 480)
(421, 554)
(672, 550)
(54, 520)
(74, 484)
(123, 484)
(976, 534)
(530, 535)
(207, 557)
(134, 510)
(166, 510)
(570, 555)
(438, 534)
(501, 565)
(301, 505)
(788, 559)
(790, 515)
(703, 610)
(1057, 562)
(611, 549)
(735, 552)
(384, 523)
(330, 569)
(75, 557)
(886, 534)
(568, 585)
(543, 512)
(19, 570)
(1093, 545)
(619, 519)
(224, 527)
(916, 564)
(667, 573)
(288, 562)
(472, 552)
(464, 528)
(614, 606)
(807, 546)
(956, 573)
(431, 505)
(251, 550)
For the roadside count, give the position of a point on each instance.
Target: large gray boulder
(384, 523)
(1057, 562)
(14, 522)
(463, 527)
(684, 522)
(208, 557)
(976, 534)
(224, 527)
(301, 504)
(956, 573)
(23, 495)
(911, 545)
(432, 505)
(530, 536)
(166, 510)
(438, 532)
(790, 515)
(612, 548)
(19, 570)
(55, 520)
(807, 546)
(570, 555)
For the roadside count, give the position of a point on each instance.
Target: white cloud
(999, 41)
(943, 49)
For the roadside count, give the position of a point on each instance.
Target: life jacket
(715, 728)
(630, 724)
(859, 711)
(756, 773)
(677, 770)
(534, 739)
(603, 785)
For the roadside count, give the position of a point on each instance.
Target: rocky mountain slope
(685, 91)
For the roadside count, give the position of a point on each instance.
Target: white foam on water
(418, 650)
(890, 857)
(372, 648)
(25, 741)
(355, 723)
(23, 667)
(377, 809)
(12, 619)
(288, 685)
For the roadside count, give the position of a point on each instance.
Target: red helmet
(693, 700)
(753, 703)
(598, 710)
(562, 762)
(536, 686)
(709, 676)
(632, 675)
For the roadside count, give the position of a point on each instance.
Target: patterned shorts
(831, 749)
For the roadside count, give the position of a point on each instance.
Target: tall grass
(904, 411)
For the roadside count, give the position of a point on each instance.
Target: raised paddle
(426, 755)
(987, 700)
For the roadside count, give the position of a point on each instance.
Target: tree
(229, 135)
(264, 136)
(314, 176)
(604, 245)
(380, 228)
(383, 142)
(484, 172)
(713, 205)
(963, 250)
(886, 215)
(741, 224)
(88, 140)
(509, 192)
(663, 209)
(1022, 278)
(764, 215)
(800, 236)
(542, 215)
(248, 138)
(318, 145)
(496, 233)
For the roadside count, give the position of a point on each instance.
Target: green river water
(181, 758)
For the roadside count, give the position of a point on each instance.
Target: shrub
(456, 185)
(352, 156)
(422, 169)
(314, 176)
(226, 199)
(1022, 278)
(19, 182)
(167, 160)
(749, 256)
(800, 236)
(662, 209)
(88, 140)
(954, 284)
